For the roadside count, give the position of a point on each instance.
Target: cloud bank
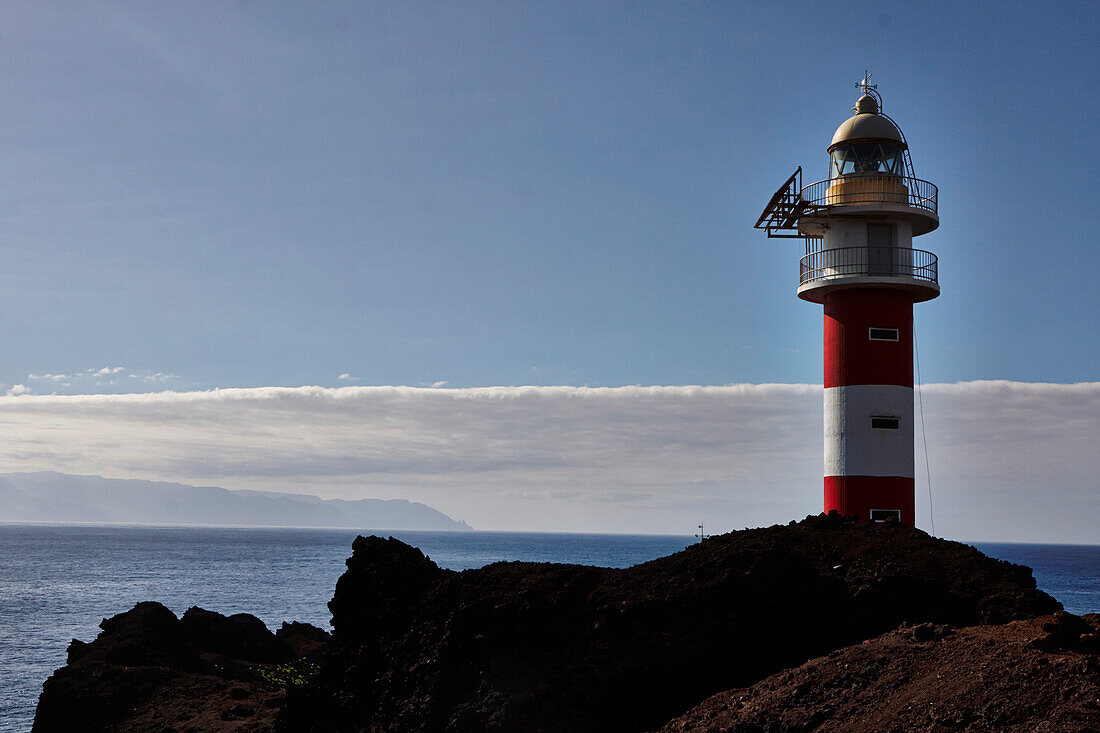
(1009, 461)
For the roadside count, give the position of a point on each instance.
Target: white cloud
(109, 376)
(17, 390)
(348, 378)
(1010, 461)
(157, 377)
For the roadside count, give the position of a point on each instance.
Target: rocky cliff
(519, 646)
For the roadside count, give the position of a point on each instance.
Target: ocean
(58, 582)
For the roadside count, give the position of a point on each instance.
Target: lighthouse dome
(867, 142)
(866, 126)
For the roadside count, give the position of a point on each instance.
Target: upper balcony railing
(867, 189)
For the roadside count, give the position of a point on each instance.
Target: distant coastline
(319, 527)
(58, 498)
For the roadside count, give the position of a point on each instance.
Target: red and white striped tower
(860, 264)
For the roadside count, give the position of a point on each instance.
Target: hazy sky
(221, 195)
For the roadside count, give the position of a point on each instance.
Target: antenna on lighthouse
(869, 90)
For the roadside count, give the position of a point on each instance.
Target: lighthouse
(860, 265)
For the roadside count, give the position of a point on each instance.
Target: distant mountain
(58, 497)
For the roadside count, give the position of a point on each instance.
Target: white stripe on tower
(852, 446)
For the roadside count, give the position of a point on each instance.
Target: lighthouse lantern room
(860, 264)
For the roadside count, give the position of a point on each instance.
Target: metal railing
(829, 264)
(870, 188)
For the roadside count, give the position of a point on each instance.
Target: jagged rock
(302, 640)
(241, 635)
(151, 672)
(932, 632)
(1067, 632)
(522, 646)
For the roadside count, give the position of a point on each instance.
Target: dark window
(882, 422)
(882, 334)
(881, 515)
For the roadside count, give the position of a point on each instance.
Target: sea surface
(58, 582)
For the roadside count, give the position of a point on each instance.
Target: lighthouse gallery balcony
(864, 189)
(905, 197)
(822, 270)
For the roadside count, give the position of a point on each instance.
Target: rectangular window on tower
(885, 422)
(883, 334)
(881, 515)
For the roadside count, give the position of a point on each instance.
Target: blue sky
(233, 194)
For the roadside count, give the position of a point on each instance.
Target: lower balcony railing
(829, 264)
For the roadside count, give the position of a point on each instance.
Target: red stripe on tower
(859, 496)
(861, 346)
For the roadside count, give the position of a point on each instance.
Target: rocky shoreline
(785, 628)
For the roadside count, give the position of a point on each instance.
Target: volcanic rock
(1067, 632)
(241, 635)
(983, 678)
(302, 640)
(151, 672)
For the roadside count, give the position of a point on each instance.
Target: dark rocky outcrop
(543, 647)
(242, 635)
(149, 671)
(1066, 632)
(302, 640)
(522, 646)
